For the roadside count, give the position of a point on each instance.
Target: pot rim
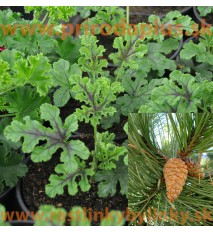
(177, 51)
(19, 197)
(21, 223)
(4, 194)
(197, 15)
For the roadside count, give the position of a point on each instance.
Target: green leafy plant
(181, 93)
(24, 101)
(19, 71)
(137, 92)
(11, 165)
(97, 93)
(57, 137)
(104, 18)
(31, 39)
(2, 104)
(7, 17)
(205, 10)
(67, 49)
(174, 24)
(143, 58)
(2, 219)
(26, 36)
(74, 151)
(54, 14)
(197, 56)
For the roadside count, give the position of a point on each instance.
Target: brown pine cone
(175, 174)
(194, 169)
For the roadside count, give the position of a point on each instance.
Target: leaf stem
(45, 17)
(96, 143)
(119, 72)
(127, 14)
(7, 115)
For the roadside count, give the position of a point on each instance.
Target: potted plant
(196, 56)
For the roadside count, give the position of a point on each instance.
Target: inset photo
(170, 172)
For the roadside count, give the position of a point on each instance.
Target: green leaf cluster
(57, 136)
(110, 178)
(128, 48)
(197, 55)
(2, 213)
(205, 10)
(174, 24)
(61, 74)
(55, 13)
(24, 101)
(107, 152)
(91, 56)
(105, 18)
(19, 71)
(11, 166)
(96, 97)
(180, 93)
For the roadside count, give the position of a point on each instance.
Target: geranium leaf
(57, 136)
(109, 179)
(24, 101)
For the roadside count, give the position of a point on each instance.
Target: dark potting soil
(140, 14)
(34, 192)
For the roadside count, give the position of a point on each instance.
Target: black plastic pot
(10, 203)
(198, 18)
(5, 195)
(20, 200)
(21, 223)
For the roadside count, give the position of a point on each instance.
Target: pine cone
(194, 169)
(175, 174)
